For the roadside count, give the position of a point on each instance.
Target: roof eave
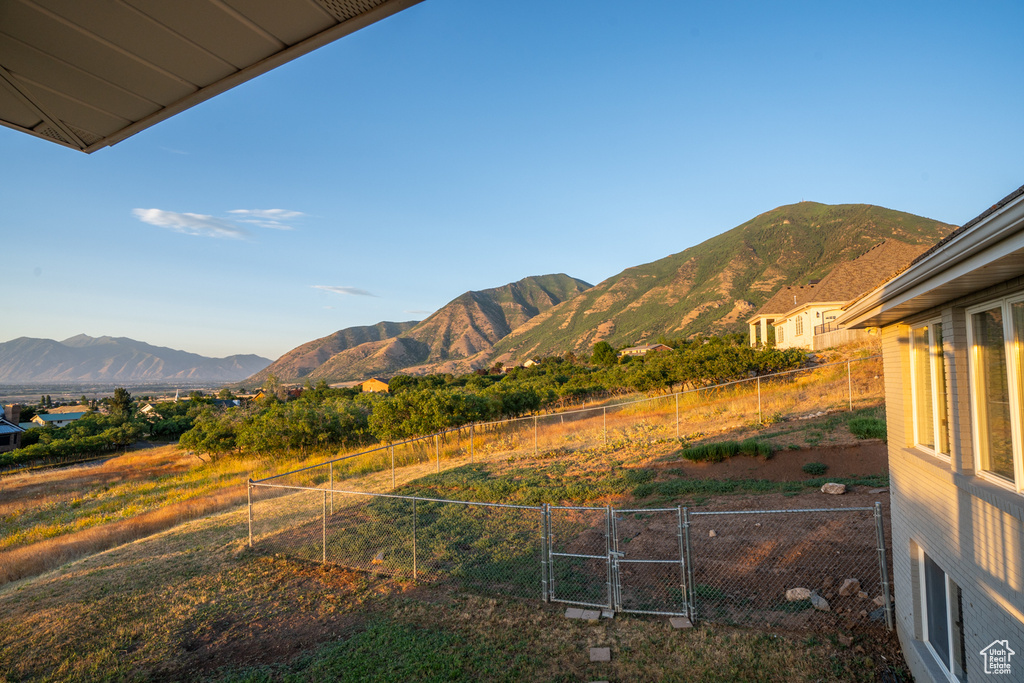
(995, 243)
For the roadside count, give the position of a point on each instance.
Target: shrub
(815, 469)
(867, 428)
(717, 452)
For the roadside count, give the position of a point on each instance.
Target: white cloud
(268, 218)
(191, 223)
(354, 291)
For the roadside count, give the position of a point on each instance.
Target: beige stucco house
(804, 316)
(953, 344)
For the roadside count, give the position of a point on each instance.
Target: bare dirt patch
(864, 458)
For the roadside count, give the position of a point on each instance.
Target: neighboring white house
(56, 419)
(953, 347)
(643, 349)
(804, 316)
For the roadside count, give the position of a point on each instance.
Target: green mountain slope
(715, 286)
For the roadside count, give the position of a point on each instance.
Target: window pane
(939, 367)
(938, 617)
(923, 389)
(992, 394)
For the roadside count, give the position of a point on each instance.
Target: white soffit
(87, 74)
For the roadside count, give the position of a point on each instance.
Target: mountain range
(710, 288)
(114, 359)
(467, 327)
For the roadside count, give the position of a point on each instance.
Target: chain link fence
(695, 412)
(732, 567)
(727, 567)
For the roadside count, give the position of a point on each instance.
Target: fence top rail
(617, 511)
(400, 497)
(382, 447)
(764, 512)
(577, 507)
(566, 412)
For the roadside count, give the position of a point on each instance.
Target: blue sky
(462, 145)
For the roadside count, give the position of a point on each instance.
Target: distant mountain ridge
(710, 288)
(466, 327)
(115, 359)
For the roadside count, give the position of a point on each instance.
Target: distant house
(374, 385)
(530, 363)
(643, 349)
(805, 316)
(10, 432)
(952, 327)
(57, 419)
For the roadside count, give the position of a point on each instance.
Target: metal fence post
(535, 436)
(677, 416)
(325, 528)
(849, 380)
(544, 568)
(392, 467)
(760, 420)
(604, 413)
(691, 607)
(332, 488)
(883, 565)
(471, 443)
(608, 548)
(682, 555)
(437, 452)
(414, 540)
(250, 512)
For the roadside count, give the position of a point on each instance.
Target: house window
(778, 334)
(996, 333)
(799, 325)
(5, 439)
(942, 618)
(928, 388)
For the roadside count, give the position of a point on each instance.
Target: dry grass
(50, 517)
(188, 602)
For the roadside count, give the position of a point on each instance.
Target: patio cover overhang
(87, 75)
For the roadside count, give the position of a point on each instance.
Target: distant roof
(87, 75)
(9, 427)
(58, 417)
(848, 280)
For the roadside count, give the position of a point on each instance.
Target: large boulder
(834, 489)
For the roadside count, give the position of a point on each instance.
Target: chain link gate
(578, 552)
(593, 560)
(648, 561)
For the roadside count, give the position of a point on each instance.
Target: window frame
(799, 325)
(1013, 367)
(950, 591)
(933, 382)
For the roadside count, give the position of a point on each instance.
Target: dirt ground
(866, 457)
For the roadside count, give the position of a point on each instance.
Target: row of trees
(325, 417)
(333, 418)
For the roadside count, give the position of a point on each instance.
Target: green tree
(121, 403)
(604, 354)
